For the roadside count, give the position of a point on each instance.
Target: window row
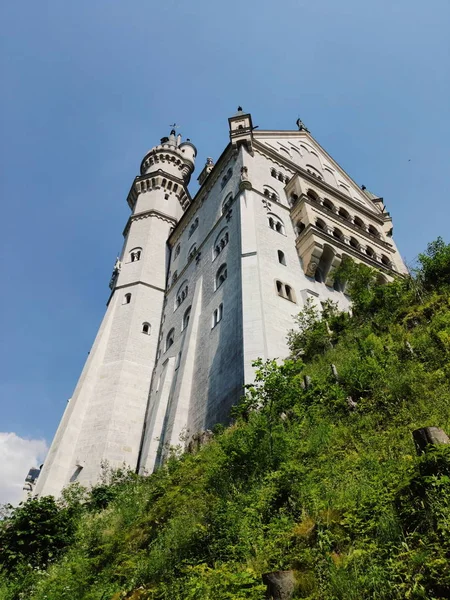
(351, 241)
(146, 185)
(278, 175)
(340, 211)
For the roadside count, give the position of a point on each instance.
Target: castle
(206, 285)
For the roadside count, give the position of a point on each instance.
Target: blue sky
(89, 86)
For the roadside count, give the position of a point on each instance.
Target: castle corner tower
(103, 420)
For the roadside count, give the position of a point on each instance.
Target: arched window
(181, 294)
(328, 204)
(135, 254)
(186, 316)
(127, 299)
(192, 251)
(288, 292)
(281, 257)
(174, 277)
(373, 230)
(285, 291)
(321, 224)
(300, 227)
(217, 315)
(273, 173)
(170, 339)
(313, 171)
(370, 252)
(220, 243)
(193, 227)
(337, 233)
(359, 223)
(177, 250)
(354, 243)
(221, 275)
(312, 195)
(293, 199)
(270, 193)
(344, 214)
(227, 203)
(385, 260)
(146, 328)
(275, 223)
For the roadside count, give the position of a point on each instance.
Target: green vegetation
(323, 478)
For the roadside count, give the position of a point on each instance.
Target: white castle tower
(104, 419)
(205, 286)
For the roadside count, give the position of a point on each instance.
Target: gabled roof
(302, 149)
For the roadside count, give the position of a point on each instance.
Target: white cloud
(17, 456)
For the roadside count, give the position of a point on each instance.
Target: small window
(344, 214)
(288, 292)
(193, 227)
(276, 223)
(270, 193)
(181, 294)
(186, 318)
(285, 291)
(312, 195)
(337, 233)
(373, 230)
(321, 225)
(135, 254)
(354, 243)
(221, 276)
(385, 260)
(281, 257)
(146, 328)
(359, 223)
(220, 243)
(227, 204)
(170, 339)
(328, 204)
(174, 277)
(300, 227)
(127, 299)
(217, 315)
(177, 250)
(273, 173)
(370, 252)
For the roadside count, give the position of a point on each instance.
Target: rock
(280, 585)
(427, 436)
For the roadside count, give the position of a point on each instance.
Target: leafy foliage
(318, 473)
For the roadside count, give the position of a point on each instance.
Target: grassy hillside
(318, 474)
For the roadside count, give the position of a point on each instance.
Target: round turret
(171, 156)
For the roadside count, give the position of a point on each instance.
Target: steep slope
(318, 474)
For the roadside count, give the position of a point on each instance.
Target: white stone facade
(214, 284)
